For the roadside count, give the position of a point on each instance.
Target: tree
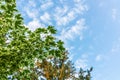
(25, 54)
(84, 74)
(61, 69)
(56, 69)
(20, 47)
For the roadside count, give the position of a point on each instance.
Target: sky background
(89, 28)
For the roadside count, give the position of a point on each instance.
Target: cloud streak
(81, 63)
(114, 14)
(75, 30)
(59, 13)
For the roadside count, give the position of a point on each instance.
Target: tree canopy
(19, 47)
(23, 52)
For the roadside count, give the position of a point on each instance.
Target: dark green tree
(84, 74)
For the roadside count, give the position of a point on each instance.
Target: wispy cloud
(32, 25)
(98, 58)
(114, 14)
(45, 18)
(81, 63)
(64, 15)
(58, 13)
(72, 32)
(30, 13)
(31, 3)
(116, 47)
(46, 4)
(30, 9)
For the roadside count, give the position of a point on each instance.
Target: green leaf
(51, 29)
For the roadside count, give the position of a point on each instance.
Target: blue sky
(89, 28)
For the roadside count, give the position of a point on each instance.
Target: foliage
(20, 47)
(85, 75)
(56, 69)
(26, 54)
(61, 69)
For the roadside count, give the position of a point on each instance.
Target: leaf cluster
(19, 47)
(23, 53)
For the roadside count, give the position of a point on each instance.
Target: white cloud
(84, 56)
(45, 17)
(80, 7)
(116, 47)
(30, 9)
(31, 3)
(46, 5)
(33, 13)
(66, 14)
(34, 24)
(98, 58)
(81, 63)
(77, 1)
(60, 15)
(114, 14)
(65, 19)
(61, 11)
(74, 31)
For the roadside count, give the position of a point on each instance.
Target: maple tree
(19, 47)
(23, 53)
